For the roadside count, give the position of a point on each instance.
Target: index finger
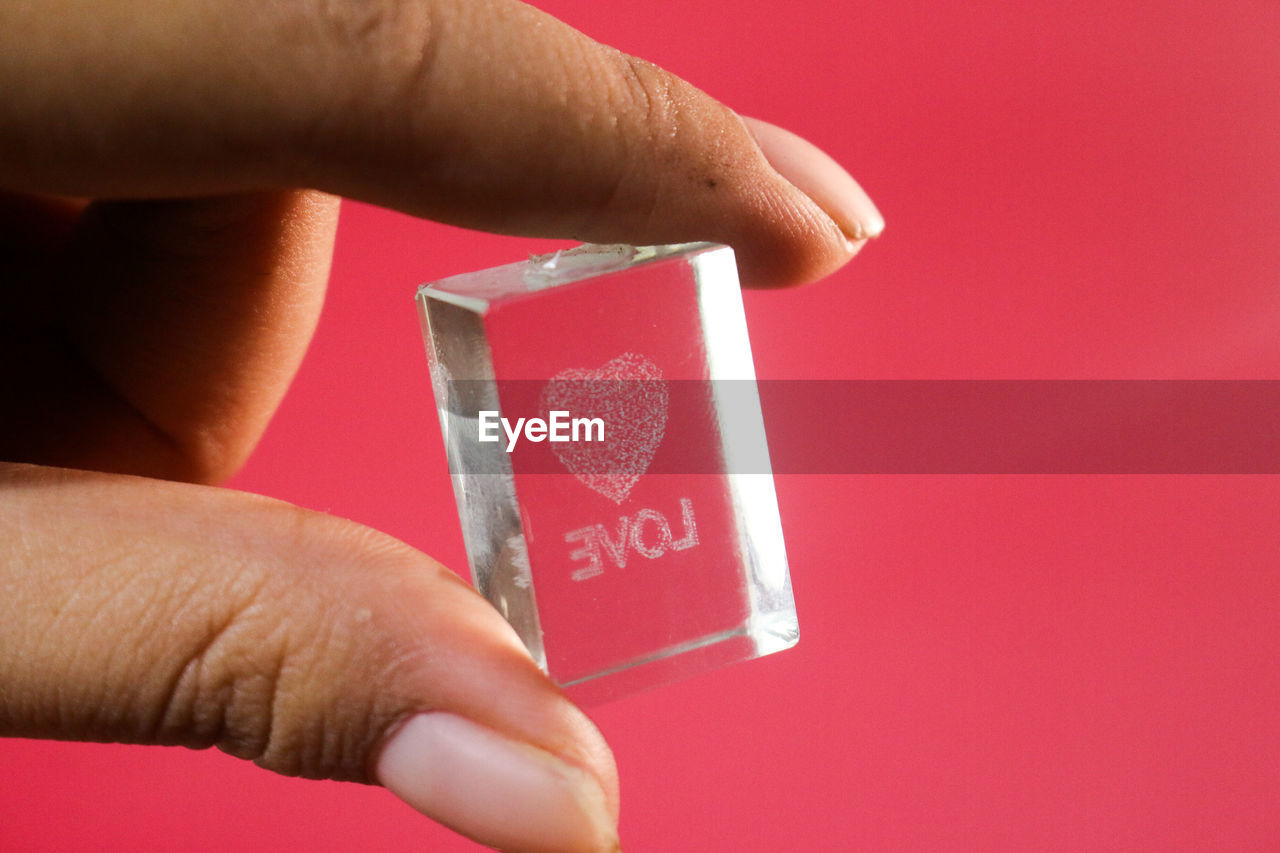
(481, 113)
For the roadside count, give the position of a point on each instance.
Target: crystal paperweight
(604, 434)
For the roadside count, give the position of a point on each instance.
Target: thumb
(482, 113)
(149, 612)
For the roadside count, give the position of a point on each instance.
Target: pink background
(1073, 190)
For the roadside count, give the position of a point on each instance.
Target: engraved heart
(628, 393)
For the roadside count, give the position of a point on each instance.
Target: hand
(150, 337)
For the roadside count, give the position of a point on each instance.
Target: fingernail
(822, 179)
(496, 790)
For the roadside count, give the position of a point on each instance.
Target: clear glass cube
(634, 537)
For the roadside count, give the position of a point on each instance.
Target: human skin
(169, 185)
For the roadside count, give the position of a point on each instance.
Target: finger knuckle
(354, 24)
(672, 138)
(643, 133)
(292, 678)
(378, 48)
(653, 97)
(368, 54)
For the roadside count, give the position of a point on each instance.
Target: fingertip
(801, 217)
(494, 789)
(816, 174)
